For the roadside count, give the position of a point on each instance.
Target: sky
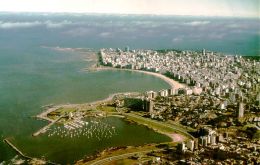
(233, 8)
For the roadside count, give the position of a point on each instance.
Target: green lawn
(106, 108)
(151, 124)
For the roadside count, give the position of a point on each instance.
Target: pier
(44, 129)
(22, 154)
(16, 149)
(44, 114)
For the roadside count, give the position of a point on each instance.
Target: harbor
(93, 128)
(45, 128)
(72, 114)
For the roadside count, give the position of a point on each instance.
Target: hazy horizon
(223, 8)
(118, 14)
(227, 35)
(35, 72)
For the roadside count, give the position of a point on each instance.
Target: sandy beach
(174, 84)
(176, 137)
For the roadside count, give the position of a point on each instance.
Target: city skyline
(229, 8)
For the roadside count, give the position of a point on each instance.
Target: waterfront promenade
(173, 84)
(92, 105)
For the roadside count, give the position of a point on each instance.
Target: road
(175, 128)
(122, 156)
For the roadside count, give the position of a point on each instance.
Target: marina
(44, 129)
(93, 128)
(69, 110)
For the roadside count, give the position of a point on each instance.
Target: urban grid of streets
(221, 100)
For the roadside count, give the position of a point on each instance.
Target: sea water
(33, 74)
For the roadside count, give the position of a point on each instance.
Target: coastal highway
(173, 127)
(122, 156)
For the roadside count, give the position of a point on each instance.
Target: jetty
(45, 128)
(22, 154)
(44, 114)
(16, 149)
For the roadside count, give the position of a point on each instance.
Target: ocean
(33, 74)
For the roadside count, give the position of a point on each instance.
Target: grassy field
(151, 124)
(106, 108)
(181, 126)
(138, 150)
(158, 126)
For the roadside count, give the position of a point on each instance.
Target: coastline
(43, 114)
(174, 136)
(173, 84)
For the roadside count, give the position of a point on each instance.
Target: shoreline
(173, 84)
(43, 114)
(174, 136)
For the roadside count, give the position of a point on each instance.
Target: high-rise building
(203, 140)
(241, 110)
(208, 139)
(171, 91)
(213, 138)
(148, 105)
(197, 90)
(183, 147)
(151, 104)
(190, 145)
(222, 106)
(150, 94)
(163, 93)
(217, 91)
(70, 115)
(127, 49)
(258, 99)
(204, 52)
(188, 91)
